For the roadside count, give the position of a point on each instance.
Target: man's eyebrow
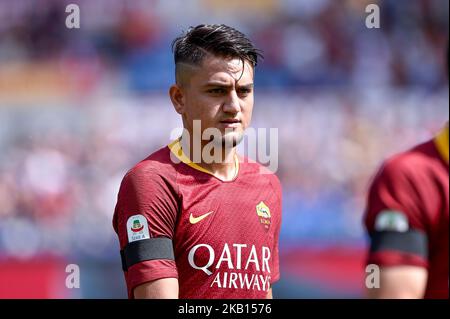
(246, 86)
(226, 85)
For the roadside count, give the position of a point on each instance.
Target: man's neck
(225, 169)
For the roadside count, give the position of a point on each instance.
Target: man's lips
(231, 123)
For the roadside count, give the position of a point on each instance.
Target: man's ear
(177, 97)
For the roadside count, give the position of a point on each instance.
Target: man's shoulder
(157, 164)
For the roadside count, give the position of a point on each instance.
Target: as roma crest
(263, 212)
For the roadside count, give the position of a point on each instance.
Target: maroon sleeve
(395, 215)
(151, 195)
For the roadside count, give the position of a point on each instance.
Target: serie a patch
(391, 220)
(137, 228)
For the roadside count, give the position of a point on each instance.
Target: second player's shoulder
(411, 164)
(403, 183)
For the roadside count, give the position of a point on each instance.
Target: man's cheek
(246, 121)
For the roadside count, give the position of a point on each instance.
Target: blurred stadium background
(79, 107)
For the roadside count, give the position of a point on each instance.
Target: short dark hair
(216, 39)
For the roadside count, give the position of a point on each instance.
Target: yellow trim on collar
(176, 149)
(441, 142)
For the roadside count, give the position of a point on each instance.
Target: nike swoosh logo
(195, 220)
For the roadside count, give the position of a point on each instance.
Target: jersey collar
(176, 149)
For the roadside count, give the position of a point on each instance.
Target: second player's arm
(400, 282)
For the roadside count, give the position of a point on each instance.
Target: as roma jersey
(219, 238)
(407, 213)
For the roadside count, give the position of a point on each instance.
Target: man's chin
(232, 140)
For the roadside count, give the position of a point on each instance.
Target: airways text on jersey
(238, 266)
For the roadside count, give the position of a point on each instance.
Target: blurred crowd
(125, 45)
(60, 169)
(78, 107)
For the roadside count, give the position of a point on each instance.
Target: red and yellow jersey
(220, 239)
(407, 214)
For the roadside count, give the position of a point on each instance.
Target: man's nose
(231, 104)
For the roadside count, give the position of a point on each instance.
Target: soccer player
(201, 229)
(407, 220)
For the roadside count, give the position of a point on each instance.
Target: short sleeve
(146, 211)
(394, 217)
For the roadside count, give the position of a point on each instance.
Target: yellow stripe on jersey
(177, 150)
(441, 142)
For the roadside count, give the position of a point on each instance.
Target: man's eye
(244, 91)
(216, 91)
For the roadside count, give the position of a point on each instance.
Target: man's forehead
(229, 64)
(225, 70)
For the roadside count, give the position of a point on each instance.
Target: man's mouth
(231, 123)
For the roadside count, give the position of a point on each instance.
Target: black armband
(411, 242)
(146, 249)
